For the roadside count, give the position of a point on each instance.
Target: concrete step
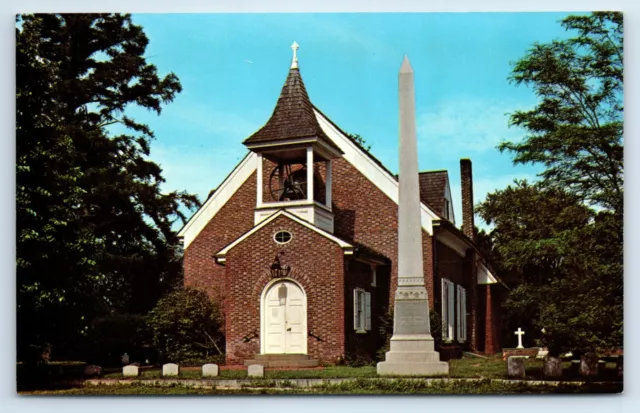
(283, 360)
(267, 357)
(284, 363)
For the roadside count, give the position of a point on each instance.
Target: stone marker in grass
(170, 369)
(589, 366)
(552, 367)
(515, 367)
(255, 370)
(210, 370)
(130, 371)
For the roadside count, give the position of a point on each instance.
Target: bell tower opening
(294, 162)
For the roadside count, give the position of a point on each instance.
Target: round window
(282, 237)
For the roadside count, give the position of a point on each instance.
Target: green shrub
(185, 325)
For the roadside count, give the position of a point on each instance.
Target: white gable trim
(447, 196)
(348, 248)
(484, 275)
(354, 155)
(219, 198)
(453, 242)
(371, 170)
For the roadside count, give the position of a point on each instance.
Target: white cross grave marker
(519, 333)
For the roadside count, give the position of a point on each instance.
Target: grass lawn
(479, 368)
(360, 386)
(326, 373)
(467, 367)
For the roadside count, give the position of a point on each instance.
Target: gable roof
(432, 188)
(292, 117)
(348, 248)
(294, 94)
(371, 168)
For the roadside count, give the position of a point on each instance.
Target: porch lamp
(278, 270)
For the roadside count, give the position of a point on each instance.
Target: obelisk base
(412, 355)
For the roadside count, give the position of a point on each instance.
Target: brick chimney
(466, 178)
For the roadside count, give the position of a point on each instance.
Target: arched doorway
(283, 318)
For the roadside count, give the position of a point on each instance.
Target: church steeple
(293, 116)
(294, 157)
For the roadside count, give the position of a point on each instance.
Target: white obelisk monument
(412, 351)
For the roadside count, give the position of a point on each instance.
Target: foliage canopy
(94, 229)
(559, 242)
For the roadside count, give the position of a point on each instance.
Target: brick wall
(365, 215)
(317, 265)
(466, 177)
(493, 322)
(471, 269)
(490, 317)
(234, 219)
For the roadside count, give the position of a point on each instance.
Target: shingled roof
(292, 117)
(432, 189)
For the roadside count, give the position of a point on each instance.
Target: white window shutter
(458, 315)
(451, 308)
(367, 311)
(443, 293)
(356, 306)
(464, 314)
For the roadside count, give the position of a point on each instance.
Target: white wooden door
(285, 319)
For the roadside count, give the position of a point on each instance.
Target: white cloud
(466, 124)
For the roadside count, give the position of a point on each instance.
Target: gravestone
(588, 366)
(515, 367)
(130, 371)
(255, 370)
(210, 370)
(170, 369)
(552, 367)
(93, 371)
(125, 359)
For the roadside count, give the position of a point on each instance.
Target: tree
(94, 230)
(559, 242)
(575, 131)
(360, 141)
(186, 325)
(564, 271)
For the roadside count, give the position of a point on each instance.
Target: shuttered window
(461, 301)
(361, 310)
(448, 295)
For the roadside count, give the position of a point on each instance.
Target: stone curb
(308, 383)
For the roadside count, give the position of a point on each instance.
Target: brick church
(299, 246)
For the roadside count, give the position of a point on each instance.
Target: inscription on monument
(412, 319)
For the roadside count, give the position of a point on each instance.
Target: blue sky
(232, 67)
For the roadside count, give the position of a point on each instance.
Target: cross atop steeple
(294, 63)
